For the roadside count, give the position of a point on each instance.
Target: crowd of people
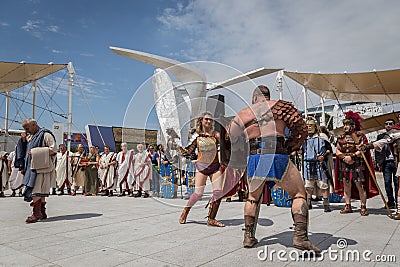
(264, 141)
(93, 173)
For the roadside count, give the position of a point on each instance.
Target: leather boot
(212, 213)
(300, 240)
(185, 212)
(192, 200)
(346, 209)
(37, 213)
(249, 240)
(43, 210)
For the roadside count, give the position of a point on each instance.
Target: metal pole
(71, 71)
(180, 175)
(305, 101)
(34, 100)
(279, 79)
(6, 121)
(323, 112)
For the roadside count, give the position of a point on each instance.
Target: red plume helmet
(355, 118)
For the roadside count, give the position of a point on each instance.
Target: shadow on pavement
(72, 217)
(286, 239)
(373, 211)
(196, 222)
(236, 222)
(379, 211)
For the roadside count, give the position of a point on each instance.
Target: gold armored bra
(207, 149)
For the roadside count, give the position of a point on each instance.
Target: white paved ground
(101, 231)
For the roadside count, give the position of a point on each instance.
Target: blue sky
(41, 31)
(326, 36)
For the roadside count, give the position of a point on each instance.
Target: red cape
(369, 184)
(231, 184)
(231, 181)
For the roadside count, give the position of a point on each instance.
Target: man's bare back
(260, 127)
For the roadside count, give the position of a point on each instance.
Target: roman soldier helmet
(313, 123)
(354, 120)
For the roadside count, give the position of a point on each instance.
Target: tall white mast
(305, 101)
(279, 79)
(322, 122)
(71, 72)
(6, 121)
(34, 100)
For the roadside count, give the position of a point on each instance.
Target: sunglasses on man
(389, 123)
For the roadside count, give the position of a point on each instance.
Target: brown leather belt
(268, 145)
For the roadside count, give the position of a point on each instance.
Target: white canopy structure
(375, 86)
(14, 75)
(372, 124)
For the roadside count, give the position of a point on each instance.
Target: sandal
(214, 222)
(346, 209)
(363, 210)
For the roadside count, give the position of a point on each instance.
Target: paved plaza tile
(102, 231)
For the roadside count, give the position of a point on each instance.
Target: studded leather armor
(286, 112)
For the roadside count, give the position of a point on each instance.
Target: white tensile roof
(375, 86)
(14, 75)
(372, 124)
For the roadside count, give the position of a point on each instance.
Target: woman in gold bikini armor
(206, 140)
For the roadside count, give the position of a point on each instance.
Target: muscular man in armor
(263, 126)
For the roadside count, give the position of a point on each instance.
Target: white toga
(142, 171)
(63, 168)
